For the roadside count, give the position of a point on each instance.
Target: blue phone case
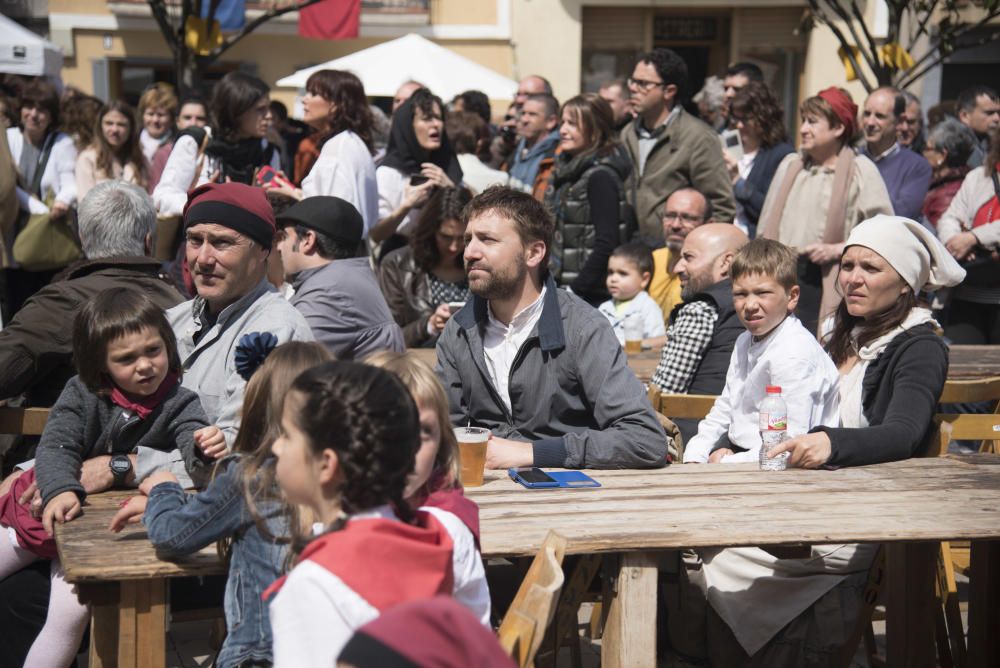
(562, 479)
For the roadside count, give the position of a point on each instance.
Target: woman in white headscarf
(893, 366)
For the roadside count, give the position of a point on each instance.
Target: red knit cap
(845, 109)
(234, 205)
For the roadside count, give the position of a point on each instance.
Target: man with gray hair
(117, 223)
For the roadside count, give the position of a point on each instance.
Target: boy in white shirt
(775, 350)
(630, 269)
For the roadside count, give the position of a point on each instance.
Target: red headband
(845, 109)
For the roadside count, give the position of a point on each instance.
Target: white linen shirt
(789, 357)
(345, 169)
(501, 343)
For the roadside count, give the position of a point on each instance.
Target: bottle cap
(774, 389)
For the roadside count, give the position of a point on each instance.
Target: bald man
(404, 92)
(532, 84)
(907, 175)
(704, 327)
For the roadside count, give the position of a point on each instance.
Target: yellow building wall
(449, 12)
(547, 40)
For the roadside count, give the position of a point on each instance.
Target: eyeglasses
(643, 84)
(671, 216)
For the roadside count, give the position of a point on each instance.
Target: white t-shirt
(345, 169)
(790, 357)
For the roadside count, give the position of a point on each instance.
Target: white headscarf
(911, 249)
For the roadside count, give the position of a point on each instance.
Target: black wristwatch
(121, 466)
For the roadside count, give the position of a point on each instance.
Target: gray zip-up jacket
(210, 362)
(83, 425)
(571, 391)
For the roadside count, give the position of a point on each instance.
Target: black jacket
(901, 390)
(750, 194)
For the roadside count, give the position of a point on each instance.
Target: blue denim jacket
(181, 523)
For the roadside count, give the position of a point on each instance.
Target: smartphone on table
(533, 477)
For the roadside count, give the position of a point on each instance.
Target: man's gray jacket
(345, 309)
(571, 391)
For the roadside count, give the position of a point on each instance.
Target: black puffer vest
(710, 377)
(566, 199)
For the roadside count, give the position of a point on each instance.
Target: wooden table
(911, 505)
(965, 362)
(124, 582)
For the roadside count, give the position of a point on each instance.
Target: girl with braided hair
(349, 436)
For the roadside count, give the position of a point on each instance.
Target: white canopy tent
(24, 52)
(384, 67)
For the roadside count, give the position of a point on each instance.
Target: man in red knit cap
(237, 317)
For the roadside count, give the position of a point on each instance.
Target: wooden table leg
(142, 623)
(910, 604)
(984, 604)
(103, 601)
(630, 631)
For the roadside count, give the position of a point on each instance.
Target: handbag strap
(43, 161)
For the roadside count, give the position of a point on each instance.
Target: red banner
(330, 19)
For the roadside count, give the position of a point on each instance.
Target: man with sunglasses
(670, 149)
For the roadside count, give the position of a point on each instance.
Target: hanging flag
(231, 14)
(330, 19)
(200, 37)
(896, 57)
(848, 67)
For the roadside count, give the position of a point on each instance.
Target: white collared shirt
(789, 357)
(501, 343)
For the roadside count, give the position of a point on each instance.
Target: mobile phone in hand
(455, 307)
(418, 180)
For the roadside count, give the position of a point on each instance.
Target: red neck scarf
(146, 405)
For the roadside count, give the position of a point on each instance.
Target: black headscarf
(406, 154)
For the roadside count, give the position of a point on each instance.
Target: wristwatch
(121, 466)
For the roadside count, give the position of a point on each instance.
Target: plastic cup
(472, 454)
(633, 335)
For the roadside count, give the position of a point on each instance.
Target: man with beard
(536, 365)
(703, 329)
(683, 211)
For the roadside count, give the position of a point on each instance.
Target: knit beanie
(234, 205)
(911, 249)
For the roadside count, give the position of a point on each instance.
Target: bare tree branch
(922, 26)
(158, 9)
(913, 74)
(934, 47)
(872, 57)
(844, 43)
(883, 70)
(253, 25)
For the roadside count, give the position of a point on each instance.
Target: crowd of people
(235, 292)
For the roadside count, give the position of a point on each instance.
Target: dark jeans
(972, 323)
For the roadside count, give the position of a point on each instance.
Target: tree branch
(868, 36)
(922, 26)
(934, 48)
(253, 25)
(158, 9)
(820, 13)
(872, 58)
(914, 74)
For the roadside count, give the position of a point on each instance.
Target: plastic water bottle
(773, 422)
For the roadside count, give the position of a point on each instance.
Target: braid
(367, 416)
